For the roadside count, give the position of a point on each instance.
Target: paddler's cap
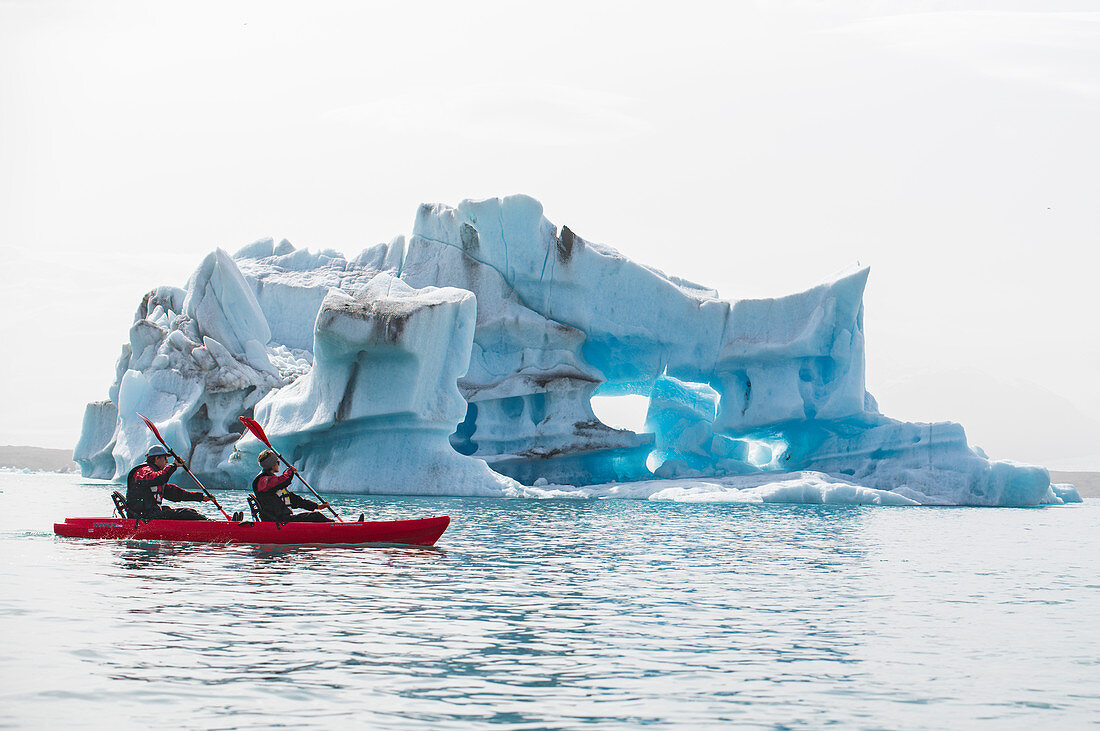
(156, 450)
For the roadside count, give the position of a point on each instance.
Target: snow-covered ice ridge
(463, 359)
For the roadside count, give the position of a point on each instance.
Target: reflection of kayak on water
(416, 532)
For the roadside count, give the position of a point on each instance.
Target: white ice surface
(792, 487)
(374, 413)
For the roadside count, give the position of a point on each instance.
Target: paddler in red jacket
(147, 486)
(275, 499)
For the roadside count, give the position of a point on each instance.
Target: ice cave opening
(621, 412)
(767, 454)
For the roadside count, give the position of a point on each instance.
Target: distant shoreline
(1087, 483)
(41, 459)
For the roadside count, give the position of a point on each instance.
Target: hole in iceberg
(767, 454)
(622, 412)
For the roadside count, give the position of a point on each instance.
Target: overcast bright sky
(754, 147)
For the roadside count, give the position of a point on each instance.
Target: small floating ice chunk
(1066, 493)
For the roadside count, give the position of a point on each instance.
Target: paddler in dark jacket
(275, 499)
(147, 486)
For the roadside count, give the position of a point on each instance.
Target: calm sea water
(559, 614)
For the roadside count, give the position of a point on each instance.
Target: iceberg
(462, 360)
(382, 395)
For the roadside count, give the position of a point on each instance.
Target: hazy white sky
(754, 147)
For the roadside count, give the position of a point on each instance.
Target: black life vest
(274, 504)
(142, 500)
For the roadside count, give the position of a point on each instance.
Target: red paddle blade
(255, 428)
(152, 428)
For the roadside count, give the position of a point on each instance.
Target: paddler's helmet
(156, 450)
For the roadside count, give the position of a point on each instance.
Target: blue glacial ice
(462, 360)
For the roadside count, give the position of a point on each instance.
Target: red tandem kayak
(418, 532)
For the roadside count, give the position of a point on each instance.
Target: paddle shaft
(201, 486)
(303, 481)
(156, 433)
(258, 431)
